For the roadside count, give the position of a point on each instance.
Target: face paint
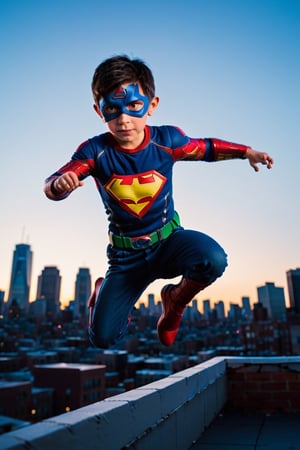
(124, 101)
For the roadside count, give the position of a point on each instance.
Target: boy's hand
(254, 157)
(67, 182)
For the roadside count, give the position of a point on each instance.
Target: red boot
(93, 298)
(174, 300)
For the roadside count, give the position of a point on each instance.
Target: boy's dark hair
(115, 71)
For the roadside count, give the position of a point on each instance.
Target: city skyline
(223, 69)
(40, 288)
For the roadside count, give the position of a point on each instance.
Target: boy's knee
(212, 267)
(219, 262)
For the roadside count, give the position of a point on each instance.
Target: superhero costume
(147, 241)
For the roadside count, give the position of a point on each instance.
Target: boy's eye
(111, 109)
(135, 106)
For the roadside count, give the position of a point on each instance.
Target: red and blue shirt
(136, 185)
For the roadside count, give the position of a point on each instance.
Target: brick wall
(267, 388)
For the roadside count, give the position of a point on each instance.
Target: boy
(132, 167)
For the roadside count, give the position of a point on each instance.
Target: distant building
(2, 294)
(172, 363)
(293, 283)
(82, 292)
(146, 376)
(266, 338)
(220, 310)
(206, 309)
(37, 309)
(75, 385)
(272, 298)
(260, 312)
(20, 277)
(49, 289)
(194, 312)
(246, 308)
(41, 406)
(15, 399)
(234, 312)
(114, 360)
(10, 362)
(151, 304)
(295, 338)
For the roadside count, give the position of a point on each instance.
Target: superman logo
(136, 193)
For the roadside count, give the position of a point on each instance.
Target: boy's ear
(153, 105)
(97, 109)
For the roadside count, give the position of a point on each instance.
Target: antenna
(23, 234)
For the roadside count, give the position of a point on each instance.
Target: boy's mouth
(127, 131)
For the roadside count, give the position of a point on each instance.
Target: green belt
(141, 242)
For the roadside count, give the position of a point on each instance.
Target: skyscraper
(247, 313)
(220, 309)
(20, 277)
(206, 308)
(49, 289)
(293, 283)
(151, 304)
(82, 291)
(235, 312)
(195, 314)
(272, 298)
(2, 293)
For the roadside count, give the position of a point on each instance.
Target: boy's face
(125, 112)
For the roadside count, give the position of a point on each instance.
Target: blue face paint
(124, 101)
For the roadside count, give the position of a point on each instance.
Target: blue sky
(223, 69)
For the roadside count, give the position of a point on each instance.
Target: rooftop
(69, 366)
(225, 403)
(253, 431)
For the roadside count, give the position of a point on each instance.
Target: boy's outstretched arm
(254, 157)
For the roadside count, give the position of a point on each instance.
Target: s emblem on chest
(136, 193)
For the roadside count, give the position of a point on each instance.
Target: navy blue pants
(188, 253)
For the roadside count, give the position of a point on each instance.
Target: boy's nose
(122, 118)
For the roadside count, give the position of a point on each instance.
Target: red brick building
(75, 385)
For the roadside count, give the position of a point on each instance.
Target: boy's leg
(93, 298)
(117, 295)
(200, 260)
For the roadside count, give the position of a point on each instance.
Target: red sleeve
(209, 149)
(82, 168)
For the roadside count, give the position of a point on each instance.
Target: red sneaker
(169, 321)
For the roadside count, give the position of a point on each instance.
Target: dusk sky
(225, 69)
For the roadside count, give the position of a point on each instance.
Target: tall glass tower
(293, 282)
(20, 277)
(82, 292)
(48, 288)
(151, 304)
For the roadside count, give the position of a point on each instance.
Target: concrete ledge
(242, 360)
(175, 410)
